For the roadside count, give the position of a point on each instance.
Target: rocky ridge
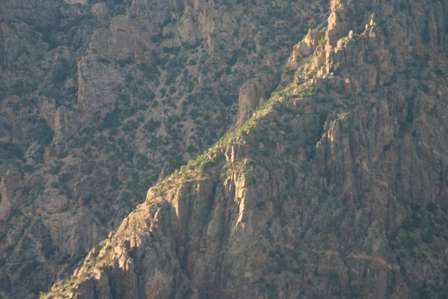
(101, 99)
(334, 188)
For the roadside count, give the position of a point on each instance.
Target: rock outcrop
(253, 93)
(335, 187)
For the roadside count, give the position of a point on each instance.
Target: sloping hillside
(101, 99)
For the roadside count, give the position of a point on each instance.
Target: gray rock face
(334, 188)
(253, 93)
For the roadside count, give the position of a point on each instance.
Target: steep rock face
(253, 93)
(100, 99)
(335, 187)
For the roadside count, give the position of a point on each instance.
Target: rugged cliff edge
(336, 187)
